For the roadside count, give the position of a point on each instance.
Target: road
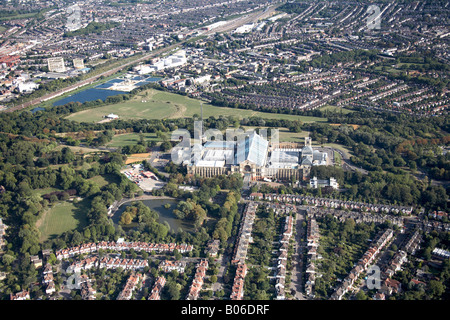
(296, 285)
(347, 163)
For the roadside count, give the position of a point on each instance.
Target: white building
(112, 116)
(56, 64)
(245, 28)
(25, 87)
(318, 183)
(78, 63)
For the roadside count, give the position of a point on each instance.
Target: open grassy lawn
(62, 217)
(104, 179)
(77, 149)
(335, 109)
(43, 191)
(284, 134)
(126, 139)
(155, 104)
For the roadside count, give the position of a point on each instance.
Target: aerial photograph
(204, 152)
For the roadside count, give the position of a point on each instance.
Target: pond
(89, 95)
(102, 92)
(165, 215)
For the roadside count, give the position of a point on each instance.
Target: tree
(177, 254)
(173, 291)
(361, 295)
(435, 288)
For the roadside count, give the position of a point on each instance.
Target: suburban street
(297, 258)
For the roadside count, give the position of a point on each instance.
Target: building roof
(252, 148)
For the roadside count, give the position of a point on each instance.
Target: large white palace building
(255, 158)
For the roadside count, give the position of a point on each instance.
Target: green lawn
(285, 135)
(62, 217)
(155, 104)
(126, 139)
(43, 191)
(335, 109)
(104, 180)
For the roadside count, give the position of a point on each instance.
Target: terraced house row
(338, 204)
(130, 286)
(282, 258)
(108, 263)
(122, 246)
(245, 230)
(312, 238)
(367, 259)
(157, 287)
(342, 215)
(197, 283)
(237, 291)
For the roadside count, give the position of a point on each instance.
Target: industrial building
(177, 59)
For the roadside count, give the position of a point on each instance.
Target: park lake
(104, 90)
(165, 215)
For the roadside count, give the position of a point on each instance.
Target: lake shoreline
(117, 205)
(158, 204)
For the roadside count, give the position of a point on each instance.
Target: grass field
(335, 109)
(285, 135)
(126, 139)
(77, 149)
(155, 104)
(104, 179)
(62, 217)
(43, 191)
